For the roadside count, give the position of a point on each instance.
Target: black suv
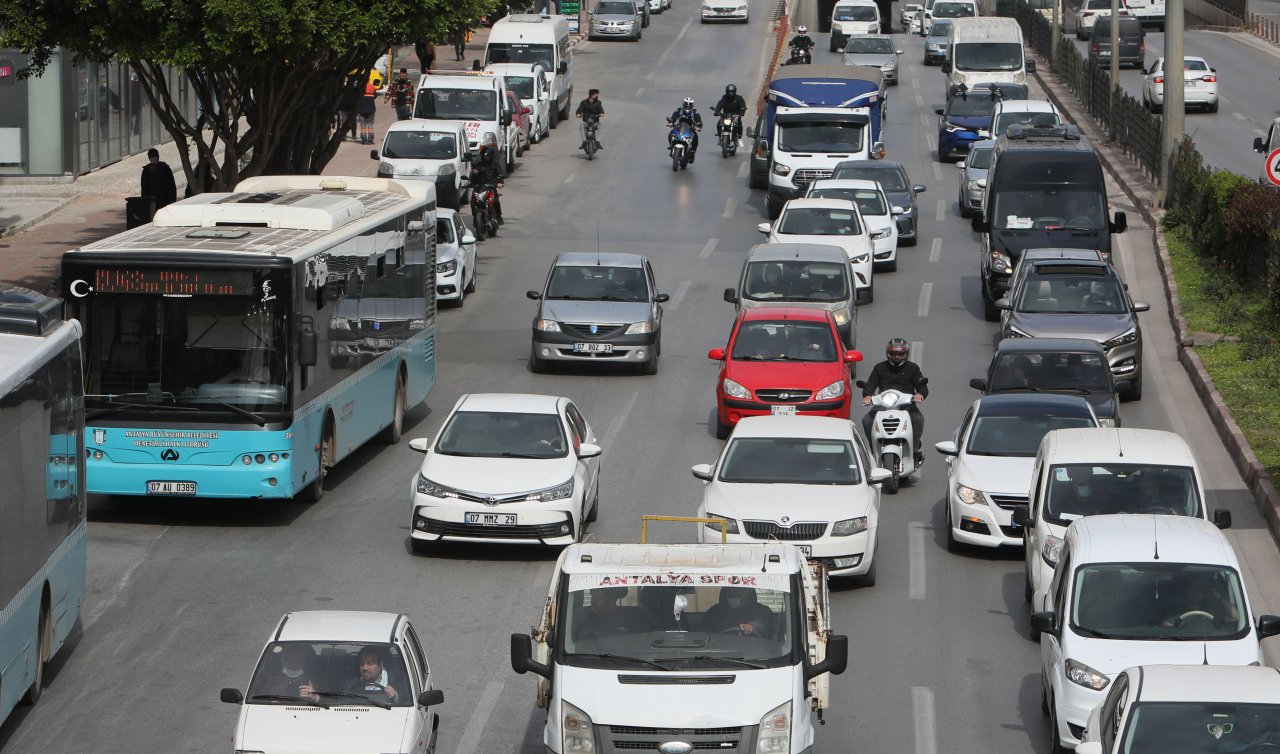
(1055, 365)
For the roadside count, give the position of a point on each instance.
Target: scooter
(891, 435)
(730, 130)
(483, 214)
(681, 141)
(590, 131)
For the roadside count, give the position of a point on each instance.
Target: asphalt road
(182, 595)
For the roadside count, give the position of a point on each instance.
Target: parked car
(1200, 85)
(828, 221)
(881, 218)
(1055, 365)
(428, 150)
(876, 51)
(973, 176)
(897, 187)
(455, 258)
(1089, 12)
(521, 122)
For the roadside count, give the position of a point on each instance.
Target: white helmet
(802, 29)
(688, 103)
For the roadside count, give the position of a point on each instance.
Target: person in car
(897, 373)
(739, 610)
(291, 679)
(1201, 593)
(1254, 729)
(1074, 495)
(375, 679)
(604, 618)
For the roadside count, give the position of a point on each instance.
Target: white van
(985, 51)
(529, 38)
(529, 82)
(851, 18)
(478, 100)
(428, 150)
(1085, 472)
(950, 9)
(679, 648)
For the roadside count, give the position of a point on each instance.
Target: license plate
(491, 519)
(171, 488)
(805, 550)
(593, 348)
(782, 410)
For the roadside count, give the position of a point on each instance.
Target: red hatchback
(781, 361)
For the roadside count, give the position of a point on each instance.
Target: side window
(964, 426)
(864, 453)
(1113, 711)
(412, 637)
(577, 422)
(653, 284)
(415, 665)
(1061, 580)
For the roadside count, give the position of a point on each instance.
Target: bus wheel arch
(44, 648)
(314, 491)
(391, 434)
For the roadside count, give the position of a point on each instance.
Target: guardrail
(1266, 28)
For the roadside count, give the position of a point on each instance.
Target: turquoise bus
(242, 344)
(42, 497)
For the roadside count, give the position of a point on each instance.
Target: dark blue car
(968, 113)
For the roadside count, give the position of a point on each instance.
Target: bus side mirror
(308, 343)
(522, 656)
(835, 661)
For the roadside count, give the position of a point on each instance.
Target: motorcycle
(681, 143)
(891, 435)
(484, 215)
(590, 127)
(800, 55)
(730, 130)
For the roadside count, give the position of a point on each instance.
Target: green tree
(270, 75)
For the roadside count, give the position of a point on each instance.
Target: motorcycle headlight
(1083, 675)
(968, 495)
(428, 487)
(775, 731)
(547, 325)
(559, 492)
(447, 268)
(730, 525)
(880, 235)
(576, 730)
(834, 390)
(734, 390)
(639, 328)
(849, 527)
(1129, 336)
(860, 258)
(780, 169)
(1051, 550)
(841, 317)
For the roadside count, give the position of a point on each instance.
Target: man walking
(401, 94)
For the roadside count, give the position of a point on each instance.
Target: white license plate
(782, 410)
(171, 488)
(491, 519)
(593, 348)
(805, 550)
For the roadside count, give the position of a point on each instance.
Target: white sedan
(880, 216)
(507, 467)
(807, 480)
(455, 258)
(1200, 85)
(836, 222)
(725, 10)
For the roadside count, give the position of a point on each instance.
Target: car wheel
(756, 181)
(868, 579)
(722, 429)
(554, 119)
(462, 293)
(1044, 699)
(471, 286)
(1027, 592)
(1213, 108)
(1035, 636)
(1135, 392)
(953, 544)
(868, 294)
(989, 311)
(594, 513)
(773, 205)
(1055, 741)
(536, 365)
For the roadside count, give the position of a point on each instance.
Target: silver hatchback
(973, 176)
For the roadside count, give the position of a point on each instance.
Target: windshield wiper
(738, 661)
(210, 402)
(508, 454)
(623, 658)
(569, 298)
(628, 300)
(284, 698)
(1093, 633)
(118, 406)
(349, 695)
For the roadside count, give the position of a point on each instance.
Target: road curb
(30, 222)
(1130, 180)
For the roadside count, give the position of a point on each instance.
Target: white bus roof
(278, 216)
(22, 355)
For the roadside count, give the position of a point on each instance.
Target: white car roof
(1148, 538)
(1117, 445)
(475, 80)
(848, 183)
(337, 626)
(1025, 106)
(421, 124)
(522, 403)
(808, 427)
(514, 69)
(1208, 683)
(803, 203)
(694, 559)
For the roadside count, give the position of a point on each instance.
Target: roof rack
(1038, 132)
(27, 312)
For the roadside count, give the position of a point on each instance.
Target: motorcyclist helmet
(731, 90)
(802, 29)
(687, 104)
(486, 153)
(896, 351)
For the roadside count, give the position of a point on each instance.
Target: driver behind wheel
(1254, 729)
(737, 611)
(374, 678)
(1201, 595)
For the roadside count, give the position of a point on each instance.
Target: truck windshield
(1040, 209)
(820, 137)
(856, 13)
(796, 280)
(509, 52)
(666, 621)
(457, 104)
(987, 56)
(1159, 601)
(1078, 490)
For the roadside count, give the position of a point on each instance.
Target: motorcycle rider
(802, 42)
(731, 103)
(896, 373)
(686, 113)
(590, 109)
(486, 173)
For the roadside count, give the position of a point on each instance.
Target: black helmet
(731, 89)
(896, 351)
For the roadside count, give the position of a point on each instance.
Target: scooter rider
(487, 173)
(802, 40)
(686, 113)
(731, 103)
(896, 373)
(591, 109)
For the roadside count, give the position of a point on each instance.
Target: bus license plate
(593, 348)
(782, 410)
(491, 519)
(171, 488)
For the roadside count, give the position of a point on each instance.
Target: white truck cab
(544, 40)
(700, 646)
(478, 100)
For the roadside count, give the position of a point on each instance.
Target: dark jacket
(803, 41)
(486, 174)
(694, 119)
(731, 104)
(157, 181)
(590, 110)
(885, 376)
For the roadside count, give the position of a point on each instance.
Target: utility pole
(1113, 93)
(1055, 32)
(1173, 124)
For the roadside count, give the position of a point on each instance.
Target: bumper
(982, 525)
(862, 272)
(1126, 361)
(889, 75)
(449, 287)
(712, 14)
(783, 192)
(266, 480)
(1190, 96)
(1074, 706)
(843, 556)
(618, 32)
(730, 410)
(626, 348)
(956, 142)
(537, 523)
(934, 56)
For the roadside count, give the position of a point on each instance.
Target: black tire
(989, 311)
(965, 212)
(773, 206)
(953, 544)
(1055, 742)
(461, 300)
(314, 492)
(755, 180)
(391, 434)
(722, 430)
(887, 461)
(868, 579)
(477, 223)
(1027, 592)
(1135, 392)
(867, 295)
(419, 546)
(675, 163)
(726, 146)
(594, 513)
(536, 365)
(1211, 108)
(44, 646)
(591, 150)
(471, 286)
(554, 119)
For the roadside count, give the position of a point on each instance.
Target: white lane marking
(615, 424)
(678, 296)
(122, 585)
(743, 168)
(709, 247)
(933, 142)
(917, 352)
(730, 205)
(640, 92)
(942, 210)
(1120, 255)
(915, 549)
(915, 83)
(922, 306)
(569, 179)
(925, 120)
(479, 718)
(667, 52)
(935, 250)
(919, 101)
(937, 171)
(1238, 115)
(926, 723)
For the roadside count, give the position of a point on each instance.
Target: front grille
(677, 680)
(1009, 502)
(783, 396)
(536, 531)
(584, 331)
(1013, 532)
(890, 425)
(626, 738)
(794, 533)
(630, 730)
(805, 176)
(385, 329)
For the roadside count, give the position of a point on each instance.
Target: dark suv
(1055, 365)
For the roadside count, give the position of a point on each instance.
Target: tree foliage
(269, 75)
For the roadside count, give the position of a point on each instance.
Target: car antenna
(597, 242)
(1120, 444)
(1155, 536)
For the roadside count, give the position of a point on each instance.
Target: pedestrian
(157, 180)
(135, 102)
(459, 38)
(368, 104)
(108, 101)
(401, 94)
(426, 50)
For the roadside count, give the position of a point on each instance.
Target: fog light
(97, 455)
(420, 523)
(564, 528)
(640, 354)
(852, 562)
(273, 457)
(271, 482)
(260, 458)
(246, 460)
(973, 525)
(546, 351)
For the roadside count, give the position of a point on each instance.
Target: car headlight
(952, 128)
(559, 492)
(730, 525)
(547, 325)
(880, 235)
(969, 495)
(775, 730)
(841, 317)
(890, 66)
(1000, 263)
(446, 169)
(1051, 550)
(974, 186)
(834, 390)
(576, 730)
(1016, 333)
(447, 268)
(780, 169)
(1129, 336)
(1083, 675)
(433, 489)
(849, 526)
(860, 258)
(734, 390)
(639, 328)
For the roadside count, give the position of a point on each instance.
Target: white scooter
(891, 435)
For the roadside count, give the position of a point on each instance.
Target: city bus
(242, 344)
(42, 497)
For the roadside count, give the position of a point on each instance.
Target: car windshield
(347, 674)
(869, 201)
(674, 622)
(856, 13)
(1078, 490)
(890, 178)
(1017, 436)
(456, 104)
(1043, 209)
(876, 45)
(615, 9)
(521, 85)
(1004, 120)
(502, 434)
(953, 10)
(819, 221)
(1194, 65)
(784, 341)
(515, 52)
(1159, 601)
(796, 280)
(979, 158)
(1071, 294)
(1051, 371)
(574, 283)
(971, 105)
(789, 460)
(988, 56)
(939, 32)
(1209, 726)
(820, 137)
(420, 145)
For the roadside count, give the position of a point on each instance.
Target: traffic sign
(1272, 168)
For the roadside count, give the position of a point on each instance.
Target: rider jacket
(802, 41)
(692, 117)
(731, 104)
(590, 110)
(906, 377)
(486, 172)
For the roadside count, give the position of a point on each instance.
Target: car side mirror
(898, 51)
(1021, 516)
(563, 68)
(878, 475)
(588, 450)
(522, 656)
(1141, 306)
(467, 238)
(960, 165)
(919, 188)
(1043, 622)
(233, 696)
(661, 298)
(373, 154)
(1258, 145)
(1003, 303)
(466, 157)
(1089, 747)
(835, 661)
(1222, 518)
(763, 228)
(308, 343)
(947, 448)
(525, 111)
(1120, 224)
(852, 357)
(731, 295)
(420, 444)
(716, 354)
(475, 65)
(897, 210)
(702, 471)
(1031, 66)
(430, 698)
(977, 383)
(506, 119)
(878, 151)
(1268, 625)
(534, 295)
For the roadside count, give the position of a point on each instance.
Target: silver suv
(809, 275)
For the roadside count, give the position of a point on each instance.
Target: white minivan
(529, 82)
(1139, 590)
(985, 51)
(478, 101)
(544, 40)
(428, 150)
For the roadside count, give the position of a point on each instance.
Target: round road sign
(1272, 168)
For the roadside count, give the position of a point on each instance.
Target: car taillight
(1159, 79)
(1209, 79)
(1094, 45)
(1142, 47)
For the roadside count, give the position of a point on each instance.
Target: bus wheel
(391, 434)
(314, 492)
(44, 640)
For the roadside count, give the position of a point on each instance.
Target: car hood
(852, 245)
(873, 59)
(1112, 656)
(999, 475)
(497, 476)
(602, 312)
(800, 375)
(315, 730)
(414, 166)
(613, 17)
(797, 502)
(971, 122)
(1099, 327)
